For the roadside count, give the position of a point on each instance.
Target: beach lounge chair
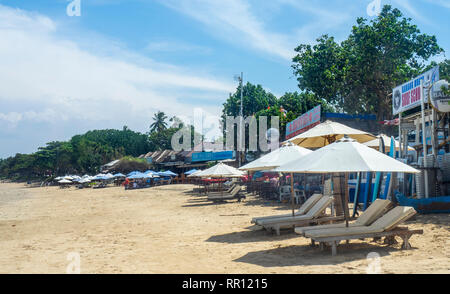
(228, 191)
(235, 194)
(301, 211)
(372, 213)
(314, 216)
(386, 226)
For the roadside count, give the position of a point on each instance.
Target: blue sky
(121, 61)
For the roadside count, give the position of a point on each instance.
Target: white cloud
(442, 3)
(234, 21)
(48, 78)
(238, 22)
(38, 67)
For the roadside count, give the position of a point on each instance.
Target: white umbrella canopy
(327, 133)
(345, 155)
(220, 170)
(65, 181)
(282, 155)
(387, 143)
(193, 175)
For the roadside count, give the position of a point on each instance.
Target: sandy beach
(168, 230)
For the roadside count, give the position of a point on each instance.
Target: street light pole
(241, 119)
(241, 114)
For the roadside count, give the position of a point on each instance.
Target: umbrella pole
(292, 193)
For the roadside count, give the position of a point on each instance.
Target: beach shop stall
(423, 111)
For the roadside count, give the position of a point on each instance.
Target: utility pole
(241, 119)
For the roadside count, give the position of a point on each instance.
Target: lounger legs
(406, 245)
(334, 248)
(390, 240)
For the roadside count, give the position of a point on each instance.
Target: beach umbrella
(375, 143)
(280, 156)
(286, 153)
(167, 174)
(133, 173)
(85, 180)
(328, 132)
(194, 174)
(345, 156)
(65, 181)
(191, 172)
(220, 170)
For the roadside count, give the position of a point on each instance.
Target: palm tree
(159, 123)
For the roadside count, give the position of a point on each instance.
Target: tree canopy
(358, 74)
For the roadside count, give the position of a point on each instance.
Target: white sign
(408, 95)
(439, 100)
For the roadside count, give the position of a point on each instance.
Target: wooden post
(292, 193)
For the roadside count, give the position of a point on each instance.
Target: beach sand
(168, 230)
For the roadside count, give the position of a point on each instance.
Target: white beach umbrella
(193, 175)
(387, 143)
(220, 170)
(345, 156)
(65, 181)
(280, 156)
(327, 133)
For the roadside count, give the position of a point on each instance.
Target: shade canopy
(191, 171)
(387, 143)
(64, 181)
(140, 175)
(119, 175)
(345, 155)
(194, 174)
(167, 174)
(276, 158)
(220, 170)
(327, 133)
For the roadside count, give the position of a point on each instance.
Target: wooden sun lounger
(222, 192)
(386, 226)
(313, 216)
(235, 194)
(378, 208)
(301, 211)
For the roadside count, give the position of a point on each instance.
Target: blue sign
(211, 156)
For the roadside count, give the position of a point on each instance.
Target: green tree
(359, 74)
(159, 122)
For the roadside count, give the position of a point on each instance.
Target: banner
(212, 156)
(303, 122)
(408, 95)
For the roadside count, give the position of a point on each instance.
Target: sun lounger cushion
(314, 212)
(301, 211)
(394, 217)
(387, 222)
(375, 210)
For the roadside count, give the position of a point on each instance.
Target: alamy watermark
(374, 8)
(74, 8)
(374, 266)
(74, 266)
(234, 129)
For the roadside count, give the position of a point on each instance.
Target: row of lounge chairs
(379, 220)
(234, 192)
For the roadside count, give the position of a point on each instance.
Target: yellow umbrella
(387, 143)
(329, 132)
